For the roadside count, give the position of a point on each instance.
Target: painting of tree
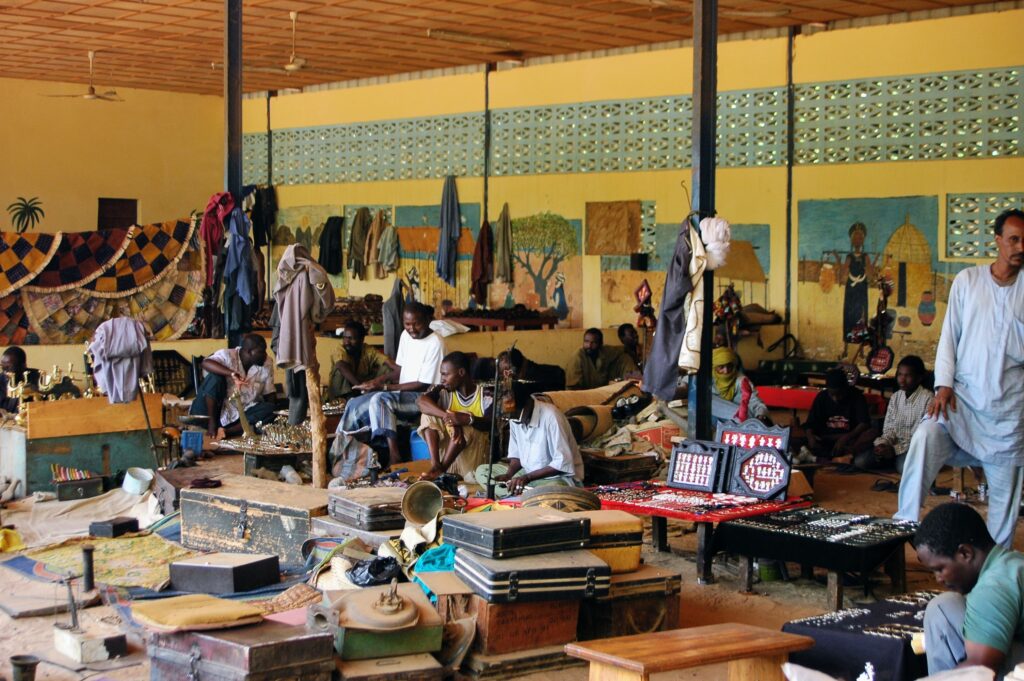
(541, 242)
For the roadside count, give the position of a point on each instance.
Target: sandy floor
(770, 605)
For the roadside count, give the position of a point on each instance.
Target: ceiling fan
(108, 96)
(294, 63)
(724, 12)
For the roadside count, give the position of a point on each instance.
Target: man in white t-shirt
(392, 397)
(248, 369)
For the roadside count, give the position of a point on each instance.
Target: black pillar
(233, 96)
(705, 89)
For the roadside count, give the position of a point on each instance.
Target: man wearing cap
(838, 425)
(975, 419)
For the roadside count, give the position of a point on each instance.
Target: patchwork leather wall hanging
(23, 256)
(80, 258)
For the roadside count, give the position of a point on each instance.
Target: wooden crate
(511, 627)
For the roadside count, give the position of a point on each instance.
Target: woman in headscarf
(733, 395)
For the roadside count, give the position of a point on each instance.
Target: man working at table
(978, 622)
(975, 418)
(245, 369)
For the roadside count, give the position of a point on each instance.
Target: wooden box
(269, 651)
(225, 573)
(250, 515)
(421, 667)
(637, 603)
(114, 527)
(510, 627)
(616, 537)
(72, 490)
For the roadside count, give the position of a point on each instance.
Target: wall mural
(845, 246)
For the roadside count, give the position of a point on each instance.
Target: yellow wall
(164, 149)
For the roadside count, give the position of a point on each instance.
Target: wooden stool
(753, 653)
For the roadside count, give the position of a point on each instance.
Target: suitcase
(326, 526)
(260, 652)
(521, 532)
(368, 508)
(564, 575)
(421, 667)
(636, 603)
(250, 515)
(225, 573)
(510, 627)
(608, 470)
(616, 537)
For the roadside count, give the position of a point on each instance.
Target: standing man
(596, 365)
(976, 417)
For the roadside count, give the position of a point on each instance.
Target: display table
(505, 324)
(661, 502)
(878, 633)
(838, 542)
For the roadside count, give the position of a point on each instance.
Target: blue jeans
(216, 388)
(944, 635)
(374, 418)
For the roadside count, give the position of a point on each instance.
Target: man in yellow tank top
(456, 419)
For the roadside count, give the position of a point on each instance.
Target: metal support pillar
(705, 90)
(233, 97)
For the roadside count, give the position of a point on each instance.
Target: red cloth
(211, 230)
(482, 272)
(746, 390)
(802, 397)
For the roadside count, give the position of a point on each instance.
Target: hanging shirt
(121, 355)
(259, 381)
(482, 272)
(387, 250)
(451, 230)
(981, 356)
(545, 441)
(371, 255)
(357, 243)
(503, 266)
(330, 257)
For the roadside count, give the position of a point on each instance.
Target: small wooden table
(753, 653)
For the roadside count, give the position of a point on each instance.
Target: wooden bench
(753, 653)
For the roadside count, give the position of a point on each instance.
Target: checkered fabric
(82, 257)
(14, 325)
(151, 254)
(23, 256)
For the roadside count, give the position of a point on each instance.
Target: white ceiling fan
(108, 96)
(294, 63)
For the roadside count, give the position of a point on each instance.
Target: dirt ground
(771, 604)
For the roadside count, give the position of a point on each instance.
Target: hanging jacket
(391, 312)
(303, 297)
(451, 230)
(238, 265)
(264, 212)
(689, 349)
(482, 273)
(373, 236)
(121, 356)
(387, 251)
(357, 243)
(211, 230)
(503, 247)
(330, 245)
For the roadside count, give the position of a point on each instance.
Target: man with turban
(733, 395)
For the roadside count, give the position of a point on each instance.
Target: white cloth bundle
(716, 235)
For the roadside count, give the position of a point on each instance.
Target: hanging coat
(264, 212)
(503, 247)
(357, 243)
(482, 273)
(304, 296)
(240, 299)
(391, 312)
(689, 350)
(387, 251)
(211, 230)
(121, 355)
(661, 369)
(330, 245)
(373, 236)
(451, 230)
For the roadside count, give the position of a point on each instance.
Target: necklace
(1003, 281)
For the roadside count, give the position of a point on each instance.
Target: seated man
(907, 407)
(541, 449)
(14, 361)
(250, 372)
(355, 362)
(838, 425)
(456, 420)
(981, 620)
(732, 393)
(595, 365)
(630, 340)
(374, 416)
(540, 378)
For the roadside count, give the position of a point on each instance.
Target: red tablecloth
(802, 397)
(658, 499)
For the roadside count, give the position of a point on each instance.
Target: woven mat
(166, 307)
(140, 560)
(82, 257)
(23, 256)
(153, 251)
(14, 324)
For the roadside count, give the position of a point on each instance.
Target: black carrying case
(521, 532)
(565, 575)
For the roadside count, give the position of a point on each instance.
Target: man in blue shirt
(980, 621)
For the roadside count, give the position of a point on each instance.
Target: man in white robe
(977, 417)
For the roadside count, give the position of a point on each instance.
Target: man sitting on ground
(838, 425)
(540, 378)
(907, 407)
(733, 395)
(980, 622)
(541, 449)
(456, 420)
(355, 362)
(14, 361)
(392, 397)
(250, 372)
(630, 340)
(595, 365)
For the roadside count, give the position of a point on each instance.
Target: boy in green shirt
(980, 621)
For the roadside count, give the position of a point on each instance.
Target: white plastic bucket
(137, 480)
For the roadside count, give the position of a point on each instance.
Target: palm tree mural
(25, 213)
